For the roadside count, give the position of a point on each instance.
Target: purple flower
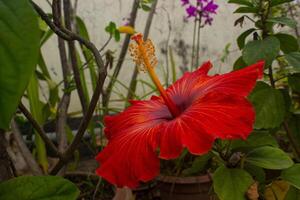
(185, 2)
(210, 7)
(191, 11)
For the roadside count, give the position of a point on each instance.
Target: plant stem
(108, 91)
(198, 41)
(193, 47)
(62, 109)
(296, 147)
(38, 129)
(83, 124)
(73, 56)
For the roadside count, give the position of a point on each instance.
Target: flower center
(143, 53)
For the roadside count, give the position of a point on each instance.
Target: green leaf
(269, 106)
(146, 7)
(284, 21)
(294, 127)
(293, 59)
(293, 194)
(239, 64)
(255, 139)
(198, 165)
(231, 184)
(38, 188)
(19, 50)
(269, 158)
(294, 82)
(241, 39)
(241, 2)
(266, 49)
(288, 43)
(278, 2)
(117, 35)
(246, 10)
(292, 175)
(110, 28)
(257, 173)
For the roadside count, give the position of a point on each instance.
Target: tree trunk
(6, 169)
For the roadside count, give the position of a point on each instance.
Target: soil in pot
(185, 188)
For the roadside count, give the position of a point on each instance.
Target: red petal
(130, 155)
(197, 84)
(222, 115)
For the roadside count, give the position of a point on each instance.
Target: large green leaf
(255, 139)
(293, 59)
(269, 106)
(242, 38)
(246, 9)
(284, 21)
(294, 82)
(19, 50)
(288, 43)
(266, 49)
(292, 175)
(269, 158)
(231, 184)
(38, 188)
(278, 2)
(241, 2)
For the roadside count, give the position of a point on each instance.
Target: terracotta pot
(185, 188)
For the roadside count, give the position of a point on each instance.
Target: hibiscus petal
(222, 115)
(130, 155)
(129, 158)
(197, 84)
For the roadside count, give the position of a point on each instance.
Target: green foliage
(293, 59)
(112, 29)
(294, 82)
(269, 158)
(278, 2)
(199, 164)
(266, 49)
(19, 50)
(292, 175)
(231, 184)
(293, 194)
(288, 43)
(242, 38)
(38, 188)
(283, 21)
(269, 106)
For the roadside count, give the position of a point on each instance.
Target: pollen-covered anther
(137, 55)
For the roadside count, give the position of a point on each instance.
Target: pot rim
(185, 180)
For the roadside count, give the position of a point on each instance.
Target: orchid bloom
(191, 113)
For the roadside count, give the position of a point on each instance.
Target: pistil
(174, 110)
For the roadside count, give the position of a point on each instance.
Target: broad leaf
(269, 158)
(269, 106)
(284, 21)
(255, 139)
(288, 43)
(292, 175)
(241, 2)
(246, 10)
(38, 188)
(294, 82)
(278, 2)
(19, 50)
(293, 194)
(266, 49)
(293, 59)
(239, 64)
(231, 184)
(242, 38)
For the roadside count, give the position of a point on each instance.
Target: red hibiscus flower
(191, 113)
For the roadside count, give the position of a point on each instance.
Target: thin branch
(291, 138)
(73, 56)
(38, 129)
(27, 155)
(63, 105)
(122, 55)
(83, 125)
